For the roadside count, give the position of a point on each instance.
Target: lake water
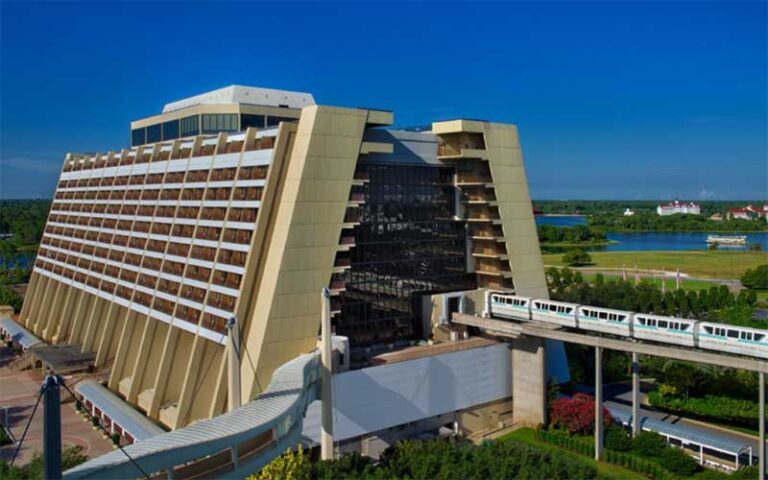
(23, 259)
(626, 241)
(651, 240)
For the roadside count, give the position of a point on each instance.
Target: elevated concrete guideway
(542, 330)
(531, 329)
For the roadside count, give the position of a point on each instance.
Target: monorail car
(670, 330)
(733, 339)
(606, 320)
(549, 311)
(510, 305)
(679, 331)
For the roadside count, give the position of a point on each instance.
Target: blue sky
(614, 100)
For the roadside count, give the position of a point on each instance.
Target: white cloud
(705, 194)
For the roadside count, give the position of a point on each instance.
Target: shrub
(649, 444)
(5, 439)
(9, 297)
(70, 457)
(290, 466)
(576, 414)
(679, 462)
(756, 278)
(617, 439)
(746, 473)
(115, 438)
(727, 409)
(95, 421)
(577, 258)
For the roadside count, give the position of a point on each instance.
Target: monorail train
(678, 331)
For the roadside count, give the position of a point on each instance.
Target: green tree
(617, 439)
(9, 297)
(288, 466)
(553, 275)
(649, 444)
(577, 258)
(756, 278)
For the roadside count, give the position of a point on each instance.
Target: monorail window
(733, 334)
(663, 324)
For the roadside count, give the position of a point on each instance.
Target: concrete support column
(635, 394)
(52, 428)
(598, 403)
(233, 365)
(529, 381)
(326, 394)
(761, 446)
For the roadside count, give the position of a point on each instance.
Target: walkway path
(19, 393)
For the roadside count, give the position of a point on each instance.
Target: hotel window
(137, 137)
(247, 120)
(154, 133)
(219, 122)
(171, 130)
(189, 126)
(273, 121)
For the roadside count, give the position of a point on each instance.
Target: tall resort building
(246, 202)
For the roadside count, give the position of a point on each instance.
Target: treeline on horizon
(591, 207)
(24, 220)
(652, 222)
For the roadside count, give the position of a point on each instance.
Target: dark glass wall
(138, 136)
(407, 245)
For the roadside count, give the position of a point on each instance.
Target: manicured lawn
(702, 264)
(604, 470)
(670, 282)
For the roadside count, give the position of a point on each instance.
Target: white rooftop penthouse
(236, 94)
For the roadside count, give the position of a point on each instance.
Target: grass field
(605, 471)
(701, 264)
(694, 285)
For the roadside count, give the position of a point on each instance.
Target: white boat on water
(727, 239)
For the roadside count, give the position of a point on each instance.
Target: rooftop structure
(748, 213)
(228, 109)
(676, 207)
(224, 208)
(238, 94)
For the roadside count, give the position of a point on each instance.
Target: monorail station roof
(63, 358)
(18, 334)
(686, 434)
(130, 420)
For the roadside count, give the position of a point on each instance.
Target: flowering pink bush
(576, 414)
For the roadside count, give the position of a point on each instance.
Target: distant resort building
(679, 207)
(716, 217)
(748, 213)
(628, 212)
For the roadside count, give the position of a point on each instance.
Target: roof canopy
(18, 333)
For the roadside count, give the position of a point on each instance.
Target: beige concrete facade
(149, 250)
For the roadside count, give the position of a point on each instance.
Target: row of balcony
(157, 213)
(148, 155)
(214, 299)
(225, 256)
